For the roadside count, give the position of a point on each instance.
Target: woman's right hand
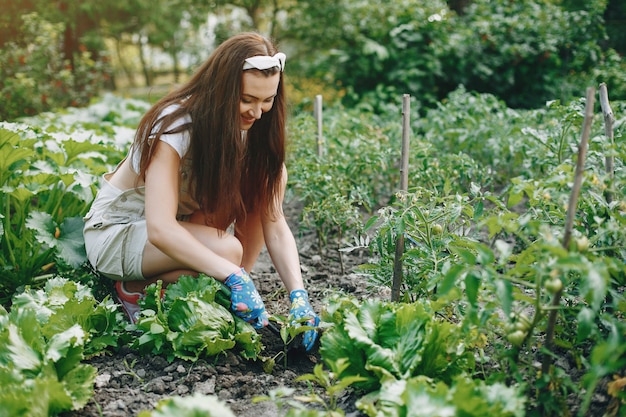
(245, 300)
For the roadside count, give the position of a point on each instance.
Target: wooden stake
(404, 185)
(317, 112)
(609, 119)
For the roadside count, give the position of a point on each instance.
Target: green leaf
(450, 279)
(203, 287)
(423, 400)
(74, 148)
(586, 323)
(18, 351)
(594, 286)
(472, 284)
(49, 394)
(388, 340)
(247, 340)
(21, 194)
(10, 155)
(71, 242)
(44, 226)
(504, 291)
(65, 349)
(79, 383)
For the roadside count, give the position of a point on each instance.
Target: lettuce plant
(189, 322)
(422, 397)
(62, 303)
(41, 347)
(381, 340)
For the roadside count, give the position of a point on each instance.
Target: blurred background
(60, 53)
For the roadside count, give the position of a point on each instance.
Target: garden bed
(128, 383)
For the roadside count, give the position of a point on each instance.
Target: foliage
(189, 321)
(36, 77)
(329, 183)
(333, 384)
(498, 258)
(483, 222)
(41, 347)
(524, 52)
(423, 397)
(50, 330)
(50, 166)
(482, 128)
(381, 340)
(43, 197)
(330, 382)
(63, 303)
(521, 51)
(430, 224)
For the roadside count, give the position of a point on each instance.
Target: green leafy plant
(423, 397)
(329, 184)
(332, 385)
(42, 344)
(62, 303)
(49, 169)
(430, 224)
(290, 333)
(43, 199)
(380, 340)
(188, 321)
(38, 78)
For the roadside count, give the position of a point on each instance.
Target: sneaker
(129, 301)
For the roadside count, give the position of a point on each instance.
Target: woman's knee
(222, 243)
(232, 247)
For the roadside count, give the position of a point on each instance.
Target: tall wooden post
(317, 113)
(609, 119)
(404, 186)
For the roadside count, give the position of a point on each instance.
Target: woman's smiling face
(257, 97)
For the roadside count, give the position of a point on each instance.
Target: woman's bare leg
(158, 266)
(250, 234)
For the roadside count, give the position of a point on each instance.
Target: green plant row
(49, 172)
(44, 339)
(483, 222)
(50, 331)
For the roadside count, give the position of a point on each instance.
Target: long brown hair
(230, 177)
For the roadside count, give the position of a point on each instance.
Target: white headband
(262, 62)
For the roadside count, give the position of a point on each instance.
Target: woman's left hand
(301, 309)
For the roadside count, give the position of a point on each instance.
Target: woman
(208, 156)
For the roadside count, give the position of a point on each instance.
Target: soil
(128, 383)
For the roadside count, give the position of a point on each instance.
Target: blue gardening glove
(245, 300)
(301, 308)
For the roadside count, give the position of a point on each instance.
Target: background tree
(525, 51)
(44, 66)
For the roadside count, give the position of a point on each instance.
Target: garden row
(484, 220)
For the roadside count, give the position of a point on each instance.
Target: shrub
(36, 78)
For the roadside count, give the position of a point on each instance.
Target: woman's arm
(281, 244)
(191, 246)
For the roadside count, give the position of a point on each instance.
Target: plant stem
(571, 212)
